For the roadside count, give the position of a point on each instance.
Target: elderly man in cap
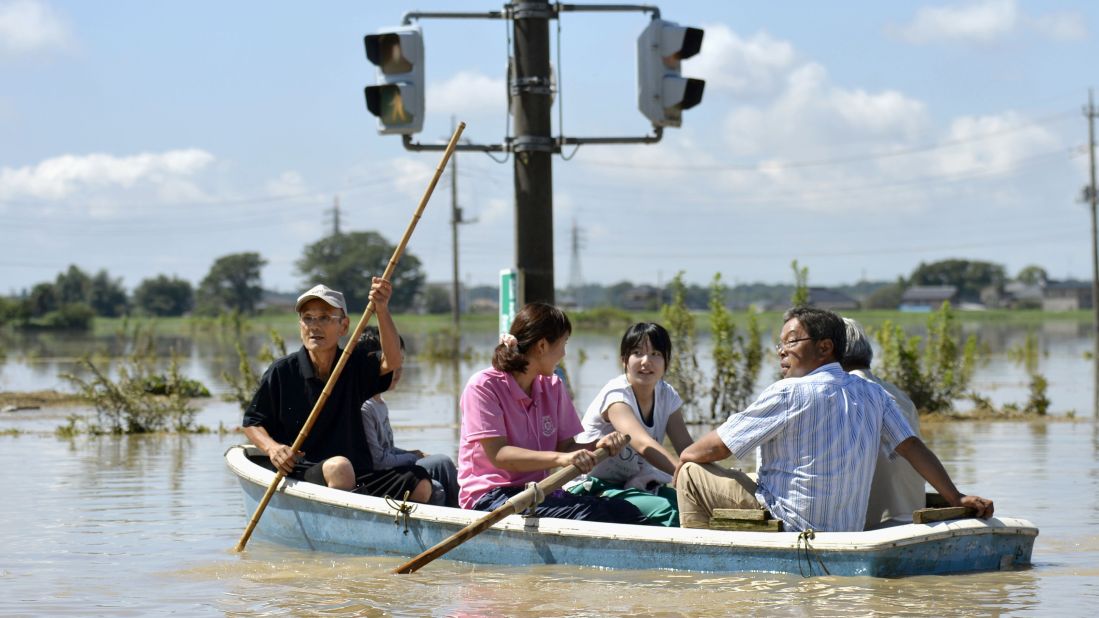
(335, 452)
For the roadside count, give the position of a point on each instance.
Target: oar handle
(551, 483)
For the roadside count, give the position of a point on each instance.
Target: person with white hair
(896, 489)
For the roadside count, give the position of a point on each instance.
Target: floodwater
(140, 525)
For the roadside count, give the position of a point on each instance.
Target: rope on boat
(537, 497)
(404, 509)
(807, 536)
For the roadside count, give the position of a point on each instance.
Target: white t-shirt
(628, 463)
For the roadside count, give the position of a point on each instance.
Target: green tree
(969, 276)
(107, 296)
(164, 296)
(737, 361)
(346, 262)
(73, 286)
(886, 297)
(233, 284)
(1032, 275)
(71, 316)
(43, 299)
(14, 310)
(935, 375)
(436, 299)
(800, 296)
(683, 372)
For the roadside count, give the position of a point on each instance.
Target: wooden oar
(515, 504)
(353, 341)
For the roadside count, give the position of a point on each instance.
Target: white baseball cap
(325, 293)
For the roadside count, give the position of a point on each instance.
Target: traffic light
(662, 93)
(398, 98)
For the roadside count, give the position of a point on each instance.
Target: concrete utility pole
(1090, 192)
(533, 147)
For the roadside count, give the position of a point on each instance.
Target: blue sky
(859, 138)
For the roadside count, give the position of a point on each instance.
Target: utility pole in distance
(1092, 198)
(455, 220)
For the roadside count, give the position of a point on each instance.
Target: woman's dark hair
(371, 340)
(635, 335)
(533, 323)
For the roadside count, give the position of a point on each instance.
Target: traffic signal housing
(662, 92)
(398, 97)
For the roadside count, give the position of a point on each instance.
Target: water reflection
(144, 525)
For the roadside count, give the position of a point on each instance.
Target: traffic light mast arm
(609, 8)
(408, 17)
(554, 147)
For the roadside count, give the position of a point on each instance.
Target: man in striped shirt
(819, 430)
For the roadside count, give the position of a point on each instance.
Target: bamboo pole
(353, 341)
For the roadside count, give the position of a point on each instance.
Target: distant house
(1019, 295)
(1066, 296)
(642, 298)
(927, 297)
(824, 298)
(278, 301)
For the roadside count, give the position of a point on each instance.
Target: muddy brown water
(140, 525)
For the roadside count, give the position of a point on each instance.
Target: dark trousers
(563, 505)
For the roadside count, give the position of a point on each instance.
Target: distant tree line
(344, 261)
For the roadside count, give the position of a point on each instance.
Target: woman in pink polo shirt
(518, 423)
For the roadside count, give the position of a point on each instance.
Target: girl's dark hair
(371, 341)
(533, 323)
(658, 338)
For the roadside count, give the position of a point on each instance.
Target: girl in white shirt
(641, 404)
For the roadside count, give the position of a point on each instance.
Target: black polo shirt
(288, 391)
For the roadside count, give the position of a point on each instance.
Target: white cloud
(410, 176)
(990, 143)
(1062, 26)
(980, 21)
(62, 176)
(985, 21)
(812, 117)
(467, 94)
(744, 66)
(287, 184)
(31, 26)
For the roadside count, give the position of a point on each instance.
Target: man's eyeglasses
(320, 320)
(786, 345)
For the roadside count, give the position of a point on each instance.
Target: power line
(830, 161)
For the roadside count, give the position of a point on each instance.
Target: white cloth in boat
(897, 489)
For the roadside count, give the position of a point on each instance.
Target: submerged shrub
(683, 372)
(936, 373)
(125, 406)
(243, 383)
(737, 360)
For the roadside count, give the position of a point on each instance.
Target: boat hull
(312, 517)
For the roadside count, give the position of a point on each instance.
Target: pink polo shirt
(493, 406)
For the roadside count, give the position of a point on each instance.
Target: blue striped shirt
(819, 436)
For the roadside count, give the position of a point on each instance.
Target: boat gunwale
(237, 457)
